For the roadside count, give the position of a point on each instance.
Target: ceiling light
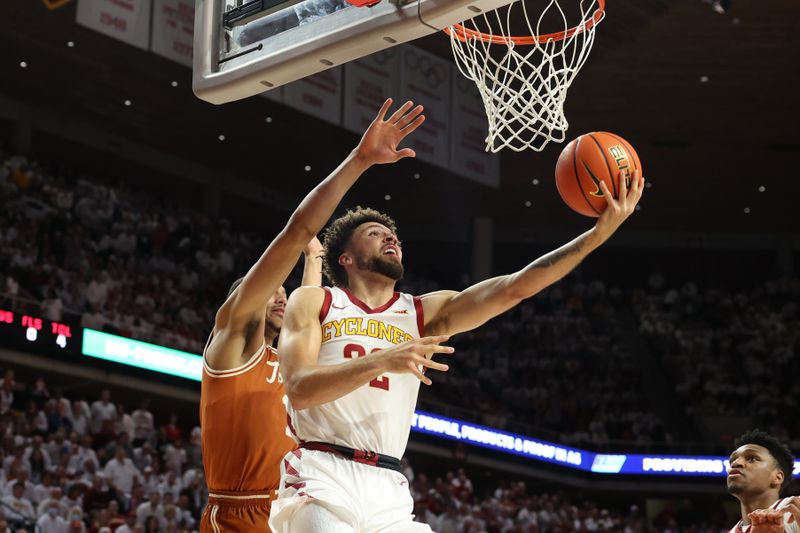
(127, 103)
(387, 197)
(535, 181)
(528, 203)
(174, 83)
(762, 188)
(307, 168)
(221, 137)
(269, 120)
(703, 79)
(23, 64)
(417, 176)
(70, 44)
(746, 210)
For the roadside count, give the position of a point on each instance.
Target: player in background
(242, 410)
(760, 467)
(352, 357)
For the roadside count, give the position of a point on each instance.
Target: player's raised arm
(453, 312)
(308, 384)
(245, 305)
(312, 263)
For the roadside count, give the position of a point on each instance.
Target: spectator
(51, 520)
(144, 430)
(120, 472)
(103, 411)
(23, 508)
(151, 508)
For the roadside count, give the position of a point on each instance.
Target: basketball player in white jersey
(241, 406)
(759, 468)
(352, 357)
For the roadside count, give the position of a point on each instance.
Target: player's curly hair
(782, 455)
(337, 235)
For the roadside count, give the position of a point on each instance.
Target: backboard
(247, 48)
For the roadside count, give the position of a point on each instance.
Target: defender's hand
(409, 356)
(379, 143)
(620, 208)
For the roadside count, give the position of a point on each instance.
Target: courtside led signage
(142, 355)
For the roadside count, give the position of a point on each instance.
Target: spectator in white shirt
(102, 411)
(18, 502)
(16, 460)
(144, 429)
(121, 473)
(28, 488)
(125, 422)
(129, 525)
(54, 498)
(52, 521)
(151, 507)
(80, 422)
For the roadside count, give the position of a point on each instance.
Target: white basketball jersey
(375, 417)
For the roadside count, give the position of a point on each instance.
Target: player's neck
(765, 500)
(373, 290)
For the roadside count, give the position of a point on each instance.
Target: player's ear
(345, 259)
(777, 477)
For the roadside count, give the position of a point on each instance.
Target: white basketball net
(524, 86)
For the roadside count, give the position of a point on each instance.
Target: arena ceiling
(706, 148)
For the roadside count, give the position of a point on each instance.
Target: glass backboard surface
(284, 42)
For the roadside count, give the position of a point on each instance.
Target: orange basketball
(589, 159)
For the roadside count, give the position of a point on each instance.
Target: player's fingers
(634, 190)
(622, 185)
(397, 115)
(420, 375)
(794, 509)
(409, 117)
(606, 193)
(414, 125)
(430, 350)
(434, 339)
(384, 109)
(405, 152)
(430, 363)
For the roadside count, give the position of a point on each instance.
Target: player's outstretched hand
(620, 208)
(379, 143)
(409, 356)
(766, 521)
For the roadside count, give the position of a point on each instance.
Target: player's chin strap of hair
(358, 456)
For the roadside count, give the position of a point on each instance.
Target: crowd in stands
(80, 466)
(114, 258)
(729, 352)
(70, 465)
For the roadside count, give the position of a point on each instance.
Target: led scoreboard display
(37, 334)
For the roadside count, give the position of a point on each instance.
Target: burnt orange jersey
(243, 418)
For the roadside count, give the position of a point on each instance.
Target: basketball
(589, 159)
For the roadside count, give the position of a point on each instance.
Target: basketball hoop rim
(465, 34)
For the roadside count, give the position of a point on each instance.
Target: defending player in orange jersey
(760, 468)
(352, 357)
(242, 409)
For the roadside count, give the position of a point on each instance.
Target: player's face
(375, 248)
(753, 470)
(276, 305)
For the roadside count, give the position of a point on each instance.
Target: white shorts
(369, 498)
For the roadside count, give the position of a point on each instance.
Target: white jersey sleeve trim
(249, 365)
